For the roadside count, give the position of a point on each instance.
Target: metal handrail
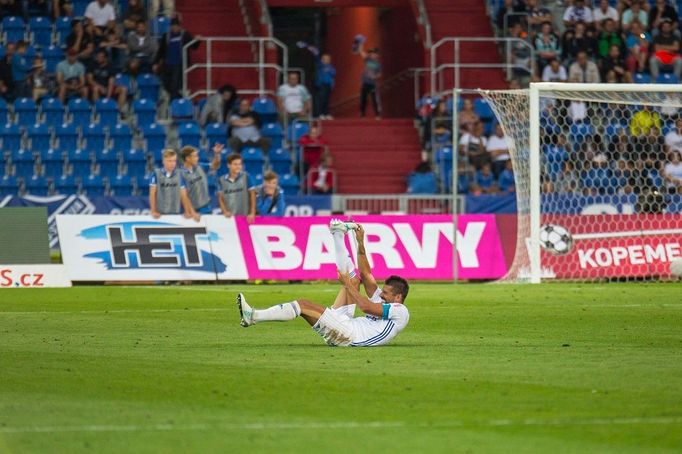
(265, 16)
(436, 71)
(423, 19)
(260, 65)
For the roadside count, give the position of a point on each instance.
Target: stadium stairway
(222, 18)
(465, 18)
(372, 156)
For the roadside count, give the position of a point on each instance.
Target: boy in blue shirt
(269, 196)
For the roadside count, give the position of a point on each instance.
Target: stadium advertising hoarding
(139, 248)
(33, 276)
(611, 246)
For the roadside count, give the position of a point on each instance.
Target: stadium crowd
(588, 147)
(92, 96)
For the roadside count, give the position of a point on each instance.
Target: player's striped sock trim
(378, 338)
(297, 308)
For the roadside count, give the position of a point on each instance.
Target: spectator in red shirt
(312, 147)
(321, 178)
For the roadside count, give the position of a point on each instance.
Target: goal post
(594, 201)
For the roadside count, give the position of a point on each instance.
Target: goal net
(598, 183)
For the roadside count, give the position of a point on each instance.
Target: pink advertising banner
(415, 247)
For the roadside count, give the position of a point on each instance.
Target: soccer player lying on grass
(386, 314)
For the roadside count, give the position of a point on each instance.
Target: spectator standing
(666, 52)
(245, 129)
(102, 15)
(236, 190)
(141, 46)
(167, 190)
(219, 106)
(554, 72)
(508, 8)
(21, 71)
(578, 12)
(293, 98)
(170, 57)
(583, 70)
(605, 11)
(196, 179)
(100, 78)
(325, 76)
(168, 8)
(270, 197)
(71, 77)
(498, 146)
(370, 79)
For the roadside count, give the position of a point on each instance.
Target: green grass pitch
(480, 368)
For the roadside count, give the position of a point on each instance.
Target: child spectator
(486, 180)
(637, 44)
(321, 178)
(313, 145)
(270, 197)
(39, 79)
(21, 71)
(422, 180)
(506, 182)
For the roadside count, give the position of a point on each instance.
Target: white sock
(279, 313)
(343, 261)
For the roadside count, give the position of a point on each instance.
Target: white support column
(454, 181)
(534, 159)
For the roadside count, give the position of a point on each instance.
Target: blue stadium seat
(108, 161)
(182, 111)
(11, 137)
(136, 162)
(216, 133)
(36, 185)
(13, 29)
(121, 185)
(106, 110)
(52, 162)
(25, 112)
(160, 25)
(80, 112)
(4, 111)
(154, 137)
(23, 161)
(483, 109)
(67, 136)
(52, 111)
(80, 162)
(52, 55)
(189, 134)
(289, 184)
(422, 183)
(94, 185)
(94, 137)
(298, 130)
(148, 86)
(667, 78)
(642, 78)
(79, 7)
(66, 184)
(253, 160)
(39, 136)
(280, 161)
(145, 111)
(257, 179)
(62, 27)
(143, 185)
(274, 132)
(265, 108)
(41, 30)
(121, 137)
(123, 80)
(444, 158)
(9, 185)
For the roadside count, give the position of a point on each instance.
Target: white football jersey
(371, 331)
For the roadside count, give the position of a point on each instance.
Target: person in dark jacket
(170, 56)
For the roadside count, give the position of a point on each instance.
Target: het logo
(7, 279)
(156, 246)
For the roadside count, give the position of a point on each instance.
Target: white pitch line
(663, 420)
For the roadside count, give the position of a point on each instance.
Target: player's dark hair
(187, 151)
(233, 157)
(399, 285)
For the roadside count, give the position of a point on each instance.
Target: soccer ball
(555, 239)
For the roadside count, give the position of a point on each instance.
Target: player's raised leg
(308, 310)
